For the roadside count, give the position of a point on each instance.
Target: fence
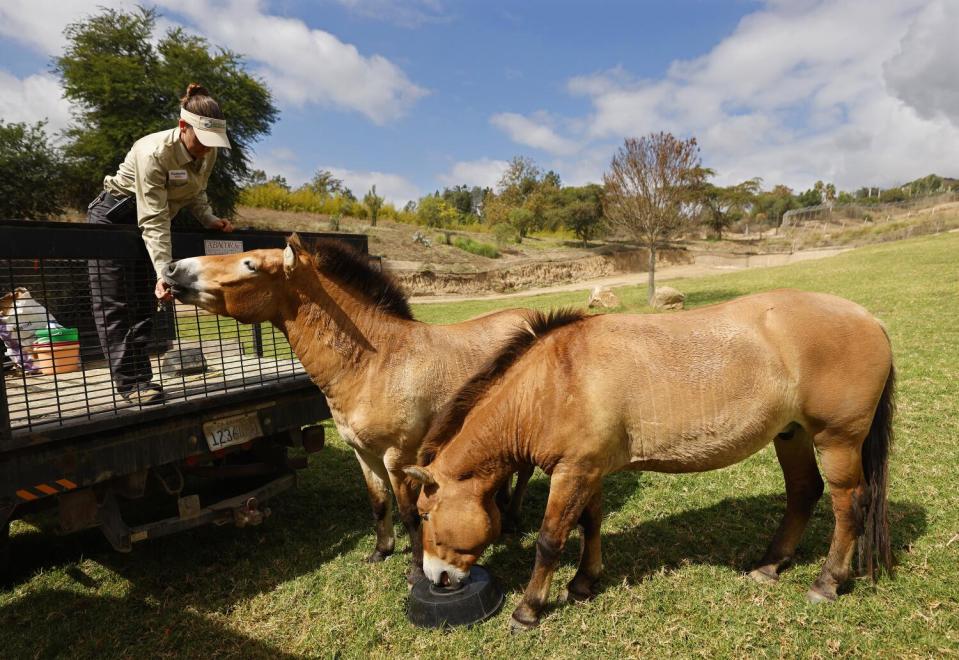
(870, 212)
(52, 274)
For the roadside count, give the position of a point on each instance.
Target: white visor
(209, 131)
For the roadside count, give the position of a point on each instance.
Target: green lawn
(675, 546)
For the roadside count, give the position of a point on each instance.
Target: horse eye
(424, 516)
(250, 266)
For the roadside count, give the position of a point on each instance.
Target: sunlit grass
(675, 545)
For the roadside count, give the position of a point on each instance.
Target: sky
(415, 95)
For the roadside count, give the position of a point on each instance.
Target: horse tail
(874, 543)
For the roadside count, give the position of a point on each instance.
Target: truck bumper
(240, 510)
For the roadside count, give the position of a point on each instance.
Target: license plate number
(231, 431)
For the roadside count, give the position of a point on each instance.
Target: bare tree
(651, 190)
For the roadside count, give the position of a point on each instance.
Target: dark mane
(340, 262)
(451, 417)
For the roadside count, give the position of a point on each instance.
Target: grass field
(675, 546)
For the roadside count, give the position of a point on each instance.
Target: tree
(31, 183)
(460, 198)
(373, 203)
(581, 211)
(433, 211)
(124, 84)
(254, 178)
(520, 179)
(325, 184)
(774, 203)
(523, 221)
(724, 206)
(649, 190)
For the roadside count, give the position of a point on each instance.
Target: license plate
(231, 431)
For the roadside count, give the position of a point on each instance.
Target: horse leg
(406, 495)
(581, 586)
(568, 496)
(842, 467)
(377, 485)
(511, 512)
(803, 489)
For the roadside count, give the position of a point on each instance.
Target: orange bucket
(62, 357)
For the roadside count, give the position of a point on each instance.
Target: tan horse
(687, 392)
(385, 375)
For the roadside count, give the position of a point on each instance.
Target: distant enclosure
(837, 213)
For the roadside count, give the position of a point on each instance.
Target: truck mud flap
(241, 510)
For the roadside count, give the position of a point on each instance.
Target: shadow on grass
(77, 625)
(733, 533)
(617, 489)
(210, 568)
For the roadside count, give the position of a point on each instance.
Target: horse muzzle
(442, 573)
(181, 277)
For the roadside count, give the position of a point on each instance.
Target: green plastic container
(57, 335)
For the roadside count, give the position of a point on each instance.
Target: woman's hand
(223, 225)
(162, 291)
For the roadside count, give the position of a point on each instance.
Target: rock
(184, 361)
(603, 297)
(667, 297)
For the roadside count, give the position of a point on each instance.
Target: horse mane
(451, 417)
(341, 262)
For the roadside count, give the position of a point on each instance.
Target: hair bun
(196, 89)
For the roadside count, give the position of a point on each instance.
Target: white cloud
(281, 161)
(32, 99)
(39, 24)
(484, 173)
(302, 65)
(533, 133)
(854, 91)
(925, 72)
(394, 187)
(305, 65)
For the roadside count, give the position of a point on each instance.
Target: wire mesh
(190, 353)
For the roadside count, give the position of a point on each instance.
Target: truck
(72, 450)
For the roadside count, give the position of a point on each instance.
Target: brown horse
(385, 375)
(687, 392)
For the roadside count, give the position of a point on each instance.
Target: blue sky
(416, 94)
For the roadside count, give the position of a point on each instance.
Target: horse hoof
(517, 626)
(815, 596)
(764, 576)
(414, 575)
(569, 596)
(376, 557)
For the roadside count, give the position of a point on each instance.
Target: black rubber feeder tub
(475, 600)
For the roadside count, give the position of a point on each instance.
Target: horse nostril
(170, 267)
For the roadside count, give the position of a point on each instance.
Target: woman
(162, 173)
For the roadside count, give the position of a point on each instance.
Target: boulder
(667, 297)
(603, 298)
(184, 361)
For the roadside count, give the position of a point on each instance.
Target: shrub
(475, 247)
(505, 234)
(30, 180)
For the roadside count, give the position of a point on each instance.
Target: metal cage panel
(193, 354)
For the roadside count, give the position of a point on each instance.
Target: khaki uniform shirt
(164, 177)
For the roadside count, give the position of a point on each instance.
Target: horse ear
(419, 474)
(289, 260)
(296, 242)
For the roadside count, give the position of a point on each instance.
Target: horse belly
(706, 445)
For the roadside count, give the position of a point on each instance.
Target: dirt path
(662, 274)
